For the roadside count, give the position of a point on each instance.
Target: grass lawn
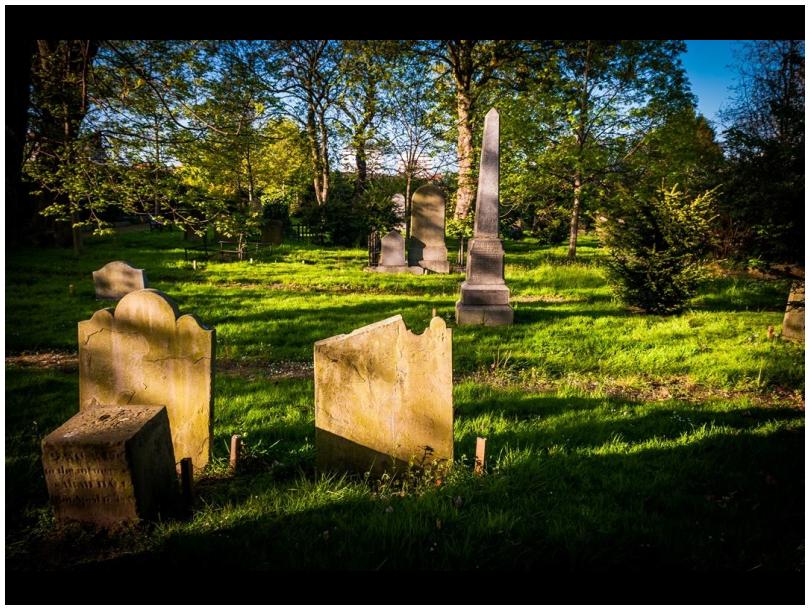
(615, 440)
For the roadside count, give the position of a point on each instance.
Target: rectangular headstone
(427, 248)
(393, 250)
(111, 465)
(144, 352)
(118, 278)
(384, 397)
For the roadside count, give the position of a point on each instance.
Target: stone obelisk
(484, 294)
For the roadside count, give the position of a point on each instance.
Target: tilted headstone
(398, 206)
(484, 294)
(144, 352)
(793, 323)
(427, 248)
(118, 278)
(112, 465)
(384, 397)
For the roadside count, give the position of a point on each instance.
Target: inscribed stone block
(111, 465)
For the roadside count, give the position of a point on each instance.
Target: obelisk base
(487, 315)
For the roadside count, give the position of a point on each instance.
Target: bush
(657, 248)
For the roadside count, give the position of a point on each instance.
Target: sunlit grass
(614, 439)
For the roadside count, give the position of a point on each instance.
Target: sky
(708, 66)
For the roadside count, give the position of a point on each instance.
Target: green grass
(615, 440)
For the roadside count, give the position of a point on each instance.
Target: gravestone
(484, 294)
(273, 232)
(144, 352)
(384, 397)
(427, 248)
(111, 465)
(392, 258)
(793, 323)
(398, 206)
(118, 278)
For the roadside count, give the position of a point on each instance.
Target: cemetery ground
(615, 440)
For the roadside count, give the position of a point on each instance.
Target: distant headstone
(112, 465)
(384, 397)
(398, 206)
(793, 323)
(427, 248)
(484, 294)
(118, 278)
(144, 352)
(273, 232)
(392, 257)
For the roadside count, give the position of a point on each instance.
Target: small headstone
(427, 248)
(111, 465)
(273, 232)
(793, 323)
(398, 207)
(144, 352)
(392, 257)
(384, 397)
(118, 278)
(484, 294)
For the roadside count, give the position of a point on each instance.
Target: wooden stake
(770, 333)
(434, 312)
(187, 481)
(236, 446)
(71, 289)
(480, 455)
(194, 264)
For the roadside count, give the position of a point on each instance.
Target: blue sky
(708, 66)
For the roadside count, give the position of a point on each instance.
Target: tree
(310, 77)
(593, 108)
(59, 102)
(470, 68)
(413, 135)
(763, 202)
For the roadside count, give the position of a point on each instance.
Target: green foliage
(763, 203)
(458, 227)
(657, 248)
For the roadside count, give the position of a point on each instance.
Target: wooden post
(480, 455)
(770, 333)
(434, 312)
(187, 481)
(194, 264)
(71, 290)
(236, 445)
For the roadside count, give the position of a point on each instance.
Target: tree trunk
(572, 237)
(407, 207)
(18, 98)
(362, 168)
(324, 152)
(466, 186)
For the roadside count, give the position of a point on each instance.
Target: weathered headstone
(384, 397)
(484, 294)
(111, 465)
(118, 278)
(793, 323)
(273, 232)
(398, 206)
(392, 258)
(143, 352)
(427, 248)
